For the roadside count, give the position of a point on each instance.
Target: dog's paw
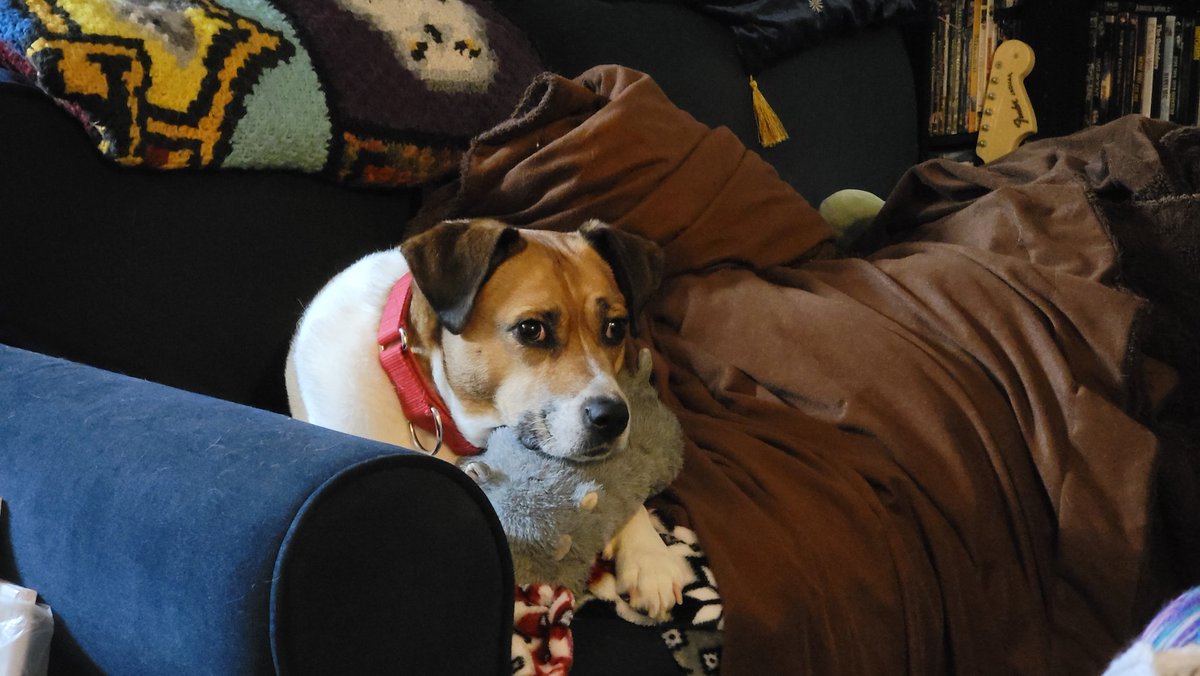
(480, 472)
(651, 575)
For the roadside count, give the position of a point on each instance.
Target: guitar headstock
(1007, 112)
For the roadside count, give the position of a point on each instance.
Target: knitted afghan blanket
(376, 93)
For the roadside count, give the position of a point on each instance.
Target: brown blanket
(934, 459)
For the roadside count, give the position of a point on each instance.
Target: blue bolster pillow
(176, 533)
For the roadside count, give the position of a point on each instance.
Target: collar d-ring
(437, 428)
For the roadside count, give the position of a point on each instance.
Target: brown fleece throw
(938, 458)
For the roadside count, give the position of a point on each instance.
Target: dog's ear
(636, 262)
(451, 261)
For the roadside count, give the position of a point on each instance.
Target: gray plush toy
(559, 514)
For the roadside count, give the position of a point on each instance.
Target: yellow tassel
(770, 129)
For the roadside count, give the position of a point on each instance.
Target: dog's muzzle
(601, 422)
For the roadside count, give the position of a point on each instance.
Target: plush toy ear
(636, 262)
(451, 261)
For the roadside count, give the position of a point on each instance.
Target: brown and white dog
(511, 327)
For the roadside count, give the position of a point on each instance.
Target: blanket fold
(655, 158)
(938, 458)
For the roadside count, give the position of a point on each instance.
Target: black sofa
(181, 523)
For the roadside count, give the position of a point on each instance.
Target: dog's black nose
(606, 416)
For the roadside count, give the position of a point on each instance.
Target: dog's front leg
(651, 574)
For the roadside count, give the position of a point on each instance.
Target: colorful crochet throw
(366, 92)
(1170, 644)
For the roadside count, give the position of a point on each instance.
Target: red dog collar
(421, 403)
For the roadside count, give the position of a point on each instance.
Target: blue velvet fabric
(175, 533)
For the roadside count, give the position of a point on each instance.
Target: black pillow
(768, 30)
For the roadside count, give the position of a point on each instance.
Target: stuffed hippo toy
(559, 514)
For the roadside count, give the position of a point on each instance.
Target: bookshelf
(1058, 32)
(1142, 58)
(964, 36)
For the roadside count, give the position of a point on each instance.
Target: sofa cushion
(849, 104)
(189, 278)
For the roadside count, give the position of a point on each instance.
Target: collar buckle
(401, 339)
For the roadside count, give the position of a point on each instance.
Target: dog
(506, 327)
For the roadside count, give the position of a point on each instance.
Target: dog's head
(529, 328)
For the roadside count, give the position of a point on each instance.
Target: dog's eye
(614, 330)
(532, 332)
